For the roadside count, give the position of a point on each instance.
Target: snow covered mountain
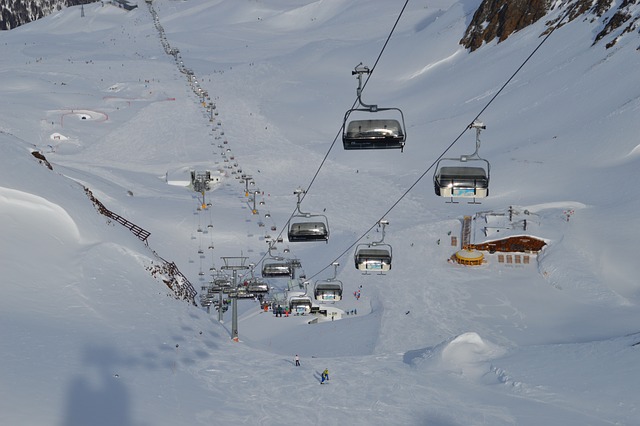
(106, 115)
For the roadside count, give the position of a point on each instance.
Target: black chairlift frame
(377, 141)
(464, 181)
(378, 251)
(304, 230)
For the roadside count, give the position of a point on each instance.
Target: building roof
(518, 228)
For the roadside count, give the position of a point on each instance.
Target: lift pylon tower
(200, 182)
(234, 264)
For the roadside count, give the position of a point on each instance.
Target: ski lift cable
(348, 249)
(355, 102)
(341, 129)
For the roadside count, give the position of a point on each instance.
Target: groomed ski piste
(91, 333)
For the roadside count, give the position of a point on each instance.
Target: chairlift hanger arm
(479, 126)
(382, 223)
(359, 70)
(300, 193)
(335, 271)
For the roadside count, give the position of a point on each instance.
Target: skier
(325, 376)
(297, 360)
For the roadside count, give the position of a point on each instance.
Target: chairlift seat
(222, 282)
(241, 294)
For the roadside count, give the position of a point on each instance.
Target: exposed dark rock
(498, 19)
(42, 159)
(14, 13)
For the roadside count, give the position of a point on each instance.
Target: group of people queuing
(278, 311)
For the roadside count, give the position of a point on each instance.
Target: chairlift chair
(308, 231)
(381, 132)
(307, 226)
(300, 305)
(222, 281)
(244, 294)
(254, 285)
(275, 266)
(375, 256)
(457, 178)
(329, 290)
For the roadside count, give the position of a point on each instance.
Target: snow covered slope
(90, 335)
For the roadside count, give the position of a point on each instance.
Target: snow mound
(466, 355)
(22, 210)
(86, 114)
(58, 137)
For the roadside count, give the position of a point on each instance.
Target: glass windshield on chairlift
(373, 133)
(311, 230)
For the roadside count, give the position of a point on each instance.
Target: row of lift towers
(466, 176)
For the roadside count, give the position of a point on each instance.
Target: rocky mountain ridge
(498, 19)
(14, 13)
(494, 19)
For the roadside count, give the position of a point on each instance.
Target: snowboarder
(297, 360)
(325, 376)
